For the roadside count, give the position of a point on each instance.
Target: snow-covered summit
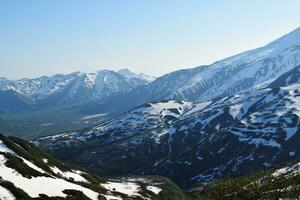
(129, 74)
(73, 88)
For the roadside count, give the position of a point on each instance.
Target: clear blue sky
(40, 37)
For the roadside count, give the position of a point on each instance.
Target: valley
(30, 125)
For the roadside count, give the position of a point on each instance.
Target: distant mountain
(72, 89)
(191, 142)
(130, 75)
(254, 68)
(28, 173)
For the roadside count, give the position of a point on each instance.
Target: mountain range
(67, 90)
(233, 133)
(250, 69)
(110, 91)
(233, 118)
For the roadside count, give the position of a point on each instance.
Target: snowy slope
(25, 168)
(145, 117)
(251, 69)
(130, 75)
(233, 135)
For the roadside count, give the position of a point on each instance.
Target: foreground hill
(280, 183)
(191, 142)
(28, 173)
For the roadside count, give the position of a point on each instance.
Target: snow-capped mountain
(127, 73)
(74, 88)
(108, 91)
(191, 142)
(28, 173)
(233, 117)
(254, 68)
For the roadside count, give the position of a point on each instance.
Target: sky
(150, 36)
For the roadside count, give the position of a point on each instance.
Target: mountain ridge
(72, 89)
(238, 73)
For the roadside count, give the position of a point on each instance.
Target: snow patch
(154, 189)
(4, 148)
(93, 116)
(110, 197)
(69, 175)
(41, 185)
(5, 194)
(129, 188)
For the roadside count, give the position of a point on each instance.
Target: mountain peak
(105, 71)
(129, 74)
(124, 70)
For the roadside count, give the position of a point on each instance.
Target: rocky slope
(28, 173)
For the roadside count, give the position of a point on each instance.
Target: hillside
(280, 183)
(191, 142)
(28, 173)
